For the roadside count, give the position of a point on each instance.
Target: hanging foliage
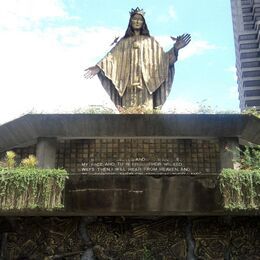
(249, 157)
(28, 187)
(240, 189)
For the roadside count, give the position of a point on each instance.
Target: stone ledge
(27, 129)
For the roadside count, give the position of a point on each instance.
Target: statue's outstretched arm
(181, 42)
(91, 72)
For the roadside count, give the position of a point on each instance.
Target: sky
(46, 45)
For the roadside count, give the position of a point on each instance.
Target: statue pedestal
(133, 164)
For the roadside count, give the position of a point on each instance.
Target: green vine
(249, 157)
(240, 189)
(28, 187)
(252, 111)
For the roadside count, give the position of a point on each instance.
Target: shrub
(27, 187)
(240, 189)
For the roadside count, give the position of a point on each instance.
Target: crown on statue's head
(137, 10)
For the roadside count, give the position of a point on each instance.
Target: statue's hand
(91, 72)
(182, 41)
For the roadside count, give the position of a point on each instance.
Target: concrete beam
(27, 129)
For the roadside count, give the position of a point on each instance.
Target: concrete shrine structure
(146, 160)
(139, 186)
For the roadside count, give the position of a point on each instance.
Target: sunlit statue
(137, 72)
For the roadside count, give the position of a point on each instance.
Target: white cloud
(170, 15)
(27, 13)
(233, 70)
(180, 106)
(233, 92)
(172, 12)
(195, 47)
(43, 70)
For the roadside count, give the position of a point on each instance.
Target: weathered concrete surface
(27, 129)
(143, 195)
(100, 195)
(46, 152)
(110, 195)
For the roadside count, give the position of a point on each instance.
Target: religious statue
(137, 72)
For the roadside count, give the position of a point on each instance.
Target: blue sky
(46, 44)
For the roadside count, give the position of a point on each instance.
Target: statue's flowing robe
(137, 72)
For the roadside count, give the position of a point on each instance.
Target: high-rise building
(246, 25)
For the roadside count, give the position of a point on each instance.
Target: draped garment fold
(137, 64)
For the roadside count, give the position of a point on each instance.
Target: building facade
(246, 25)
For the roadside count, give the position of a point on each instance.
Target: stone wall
(135, 156)
(130, 238)
(124, 156)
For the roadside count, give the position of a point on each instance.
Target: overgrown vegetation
(139, 110)
(250, 157)
(94, 109)
(241, 187)
(253, 112)
(27, 187)
(202, 107)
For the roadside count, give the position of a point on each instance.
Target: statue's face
(137, 22)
